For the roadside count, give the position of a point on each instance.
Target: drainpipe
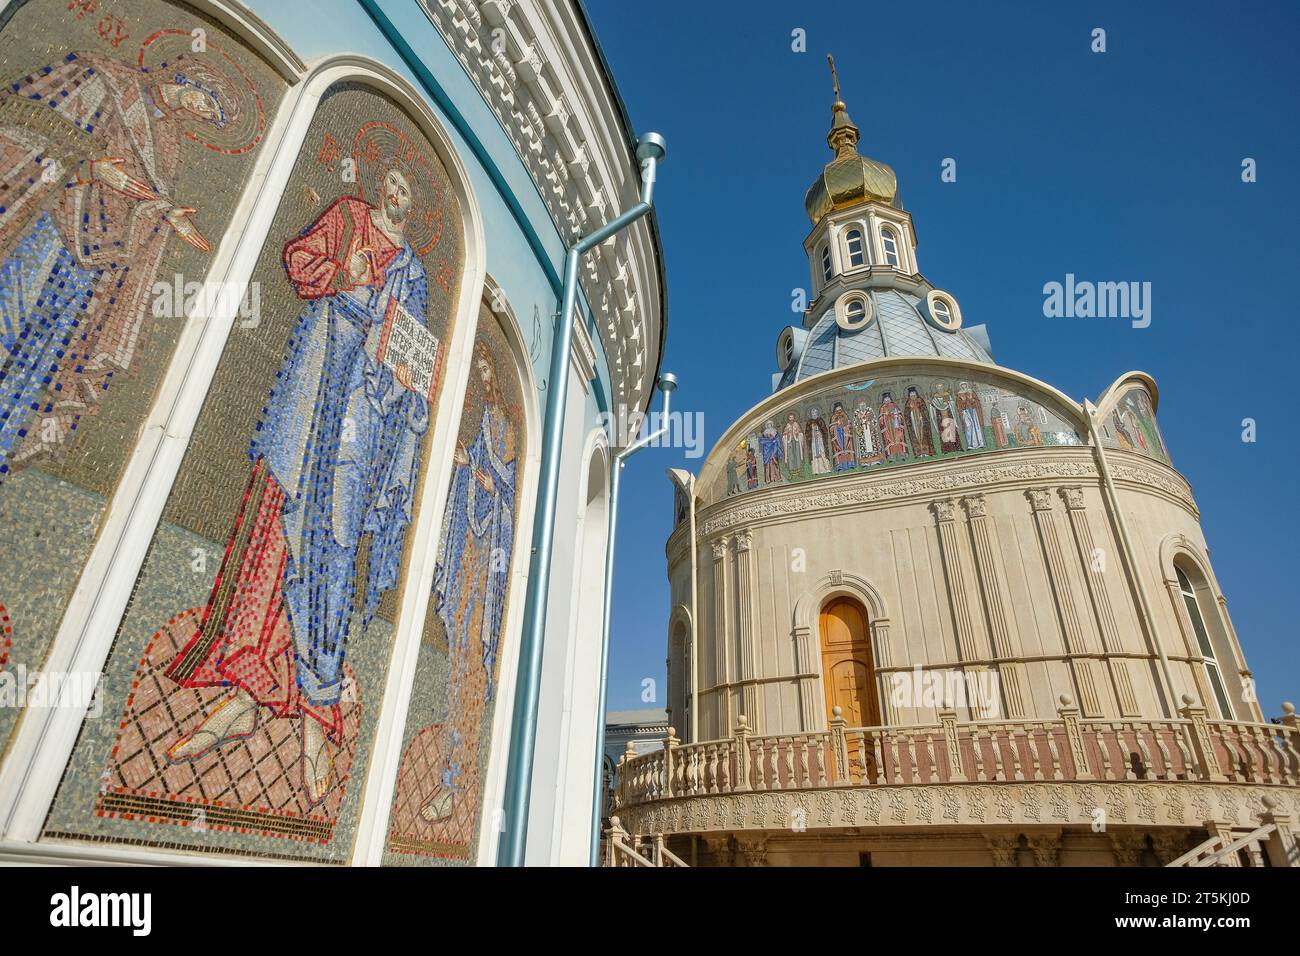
(667, 385)
(693, 676)
(1126, 546)
(523, 731)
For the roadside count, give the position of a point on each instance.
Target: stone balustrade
(1068, 749)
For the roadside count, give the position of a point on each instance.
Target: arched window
(1192, 602)
(942, 312)
(855, 311)
(826, 263)
(889, 240)
(853, 242)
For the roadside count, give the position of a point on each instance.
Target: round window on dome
(853, 311)
(942, 311)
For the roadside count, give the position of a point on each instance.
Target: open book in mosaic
(1131, 425)
(246, 674)
(124, 149)
(879, 423)
(438, 807)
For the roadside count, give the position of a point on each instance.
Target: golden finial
(835, 79)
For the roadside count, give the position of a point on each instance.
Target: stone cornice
(535, 68)
(1142, 803)
(891, 486)
(920, 481)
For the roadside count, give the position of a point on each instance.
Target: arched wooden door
(848, 672)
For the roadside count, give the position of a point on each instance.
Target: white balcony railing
(1066, 749)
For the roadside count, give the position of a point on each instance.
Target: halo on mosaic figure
(170, 55)
(377, 149)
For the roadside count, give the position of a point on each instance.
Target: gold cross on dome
(834, 76)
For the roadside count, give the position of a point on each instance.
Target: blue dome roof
(898, 328)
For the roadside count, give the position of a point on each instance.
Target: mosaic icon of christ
(336, 458)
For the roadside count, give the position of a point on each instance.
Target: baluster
(1140, 738)
(789, 761)
(995, 745)
(1166, 768)
(1268, 753)
(1238, 765)
(976, 746)
(889, 768)
(1103, 748)
(1290, 740)
(932, 767)
(1013, 740)
(766, 771)
(1184, 752)
(1032, 741)
(820, 750)
(908, 741)
(1049, 731)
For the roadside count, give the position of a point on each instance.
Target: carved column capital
(721, 848)
(977, 506)
(1003, 846)
(753, 848)
(1073, 497)
(1127, 845)
(943, 510)
(719, 546)
(744, 539)
(1046, 848)
(1040, 499)
(1169, 845)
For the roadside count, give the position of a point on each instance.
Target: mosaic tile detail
(123, 151)
(880, 423)
(1131, 426)
(437, 806)
(251, 786)
(306, 464)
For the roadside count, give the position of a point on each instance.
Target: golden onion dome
(849, 178)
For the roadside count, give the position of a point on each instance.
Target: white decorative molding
(536, 70)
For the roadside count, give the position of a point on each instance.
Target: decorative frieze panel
(1156, 803)
(870, 489)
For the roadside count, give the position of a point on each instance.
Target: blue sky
(1117, 166)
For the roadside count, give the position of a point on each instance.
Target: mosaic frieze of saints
(248, 669)
(879, 423)
(1131, 425)
(127, 135)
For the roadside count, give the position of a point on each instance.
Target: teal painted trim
(458, 120)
